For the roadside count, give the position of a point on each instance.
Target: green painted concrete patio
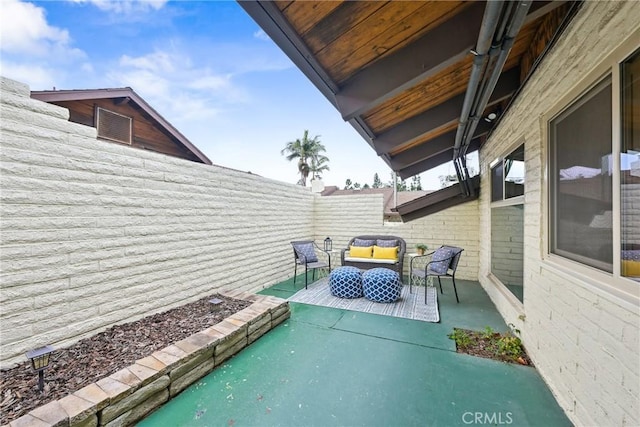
(331, 367)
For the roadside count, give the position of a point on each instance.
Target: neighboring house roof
(387, 196)
(121, 95)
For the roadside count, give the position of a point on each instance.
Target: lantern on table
(328, 244)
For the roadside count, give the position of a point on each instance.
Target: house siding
(584, 340)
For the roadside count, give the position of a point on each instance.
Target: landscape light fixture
(215, 304)
(39, 361)
(328, 244)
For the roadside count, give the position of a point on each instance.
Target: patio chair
(304, 252)
(444, 263)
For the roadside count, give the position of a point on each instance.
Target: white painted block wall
(343, 217)
(95, 233)
(583, 340)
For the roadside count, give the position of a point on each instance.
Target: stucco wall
(343, 217)
(583, 339)
(94, 233)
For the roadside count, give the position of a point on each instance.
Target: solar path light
(39, 361)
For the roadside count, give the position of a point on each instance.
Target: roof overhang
(399, 72)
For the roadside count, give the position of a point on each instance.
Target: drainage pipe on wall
(490, 22)
(485, 74)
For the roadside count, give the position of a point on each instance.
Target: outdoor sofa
(373, 251)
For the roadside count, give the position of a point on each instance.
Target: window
(507, 221)
(589, 208)
(581, 204)
(630, 168)
(507, 177)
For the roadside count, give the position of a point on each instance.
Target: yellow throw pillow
(630, 268)
(385, 253)
(360, 251)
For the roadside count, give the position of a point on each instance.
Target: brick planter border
(127, 396)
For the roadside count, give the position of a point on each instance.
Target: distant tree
(365, 186)
(348, 185)
(416, 185)
(356, 185)
(318, 165)
(448, 180)
(308, 152)
(400, 184)
(376, 181)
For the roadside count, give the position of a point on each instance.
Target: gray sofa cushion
(362, 242)
(387, 243)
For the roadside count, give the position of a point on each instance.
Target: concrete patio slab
(330, 367)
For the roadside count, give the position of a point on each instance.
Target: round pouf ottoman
(381, 285)
(346, 282)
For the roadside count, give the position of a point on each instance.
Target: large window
(630, 168)
(507, 221)
(585, 215)
(581, 204)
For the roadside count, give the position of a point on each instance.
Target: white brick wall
(584, 341)
(94, 233)
(343, 217)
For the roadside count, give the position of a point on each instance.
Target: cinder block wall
(343, 217)
(583, 340)
(95, 233)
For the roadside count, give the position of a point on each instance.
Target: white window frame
(612, 283)
(512, 201)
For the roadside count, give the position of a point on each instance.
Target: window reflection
(507, 247)
(581, 186)
(630, 168)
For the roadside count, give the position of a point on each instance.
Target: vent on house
(114, 126)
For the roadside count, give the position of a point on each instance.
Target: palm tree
(319, 165)
(308, 152)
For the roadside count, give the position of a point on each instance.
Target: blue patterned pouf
(346, 282)
(381, 285)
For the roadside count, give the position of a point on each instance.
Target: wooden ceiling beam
(440, 115)
(411, 64)
(433, 161)
(432, 148)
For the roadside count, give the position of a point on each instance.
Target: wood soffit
(398, 70)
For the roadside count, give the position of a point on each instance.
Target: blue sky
(205, 66)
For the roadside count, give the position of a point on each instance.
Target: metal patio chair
(304, 252)
(444, 263)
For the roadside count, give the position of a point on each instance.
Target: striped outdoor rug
(409, 306)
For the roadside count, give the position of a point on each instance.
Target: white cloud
(125, 6)
(212, 82)
(24, 29)
(35, 76)
(181, 92)
(153, 62)
(261, 35)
